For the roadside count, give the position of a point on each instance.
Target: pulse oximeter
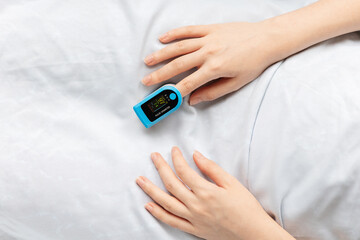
(158, 105)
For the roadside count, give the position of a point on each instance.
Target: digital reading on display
(157, 103)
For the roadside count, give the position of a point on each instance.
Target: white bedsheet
(71, 147)
(305, 150)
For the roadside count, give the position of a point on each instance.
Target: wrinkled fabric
(304, 158)
(71, 146)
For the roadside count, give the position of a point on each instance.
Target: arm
(315, 23)
(234, 54)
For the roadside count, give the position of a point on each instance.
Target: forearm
(300, 29)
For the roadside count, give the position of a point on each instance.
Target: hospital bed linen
(71, 146)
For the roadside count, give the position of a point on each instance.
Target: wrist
(283, 40)
(260, 226)
(269, 230)
(295, 31)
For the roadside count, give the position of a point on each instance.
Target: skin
(227, 57)
(222, 209)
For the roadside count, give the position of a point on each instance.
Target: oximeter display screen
(160, 104)
(157, 103)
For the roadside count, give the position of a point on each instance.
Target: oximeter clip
(158, 105)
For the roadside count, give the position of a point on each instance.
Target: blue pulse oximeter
(158, 105)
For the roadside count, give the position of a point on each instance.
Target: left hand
(227, 56)
(224, 209)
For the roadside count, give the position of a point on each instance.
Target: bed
(71, 146)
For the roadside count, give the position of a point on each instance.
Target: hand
(222, 209)
(233, 54)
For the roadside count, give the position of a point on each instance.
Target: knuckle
(161, 53)
(178, 64)
(171, 33)
(198, 210)
(159, 215)
(158, 75)
(155, 76)
(206, 195)
(180, 170)
(169, 186)
(215, 66)
(188, 86)
(189, 29)
(210, 51)
(180, 46)
(168, 206)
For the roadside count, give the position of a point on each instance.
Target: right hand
(219, 209)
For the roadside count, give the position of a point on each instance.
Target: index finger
(193, 81)
(188, 175)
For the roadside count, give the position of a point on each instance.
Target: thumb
(212, 170)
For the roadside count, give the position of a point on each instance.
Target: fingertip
(150, 64)
(198, 156)
(149, 59)
(141, 181)
(149, 206)
(175, 150)
(194, 100)
(163, 41)
(177, 156)
(155, 156)
(163, 38)
(146, 80)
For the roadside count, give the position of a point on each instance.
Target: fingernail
(146, 80)
(164, 36)
(140, 181)
(174, 149)
(194, 101)
(154, 157)
(149, 207)
(149, 59)
(198, 155)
